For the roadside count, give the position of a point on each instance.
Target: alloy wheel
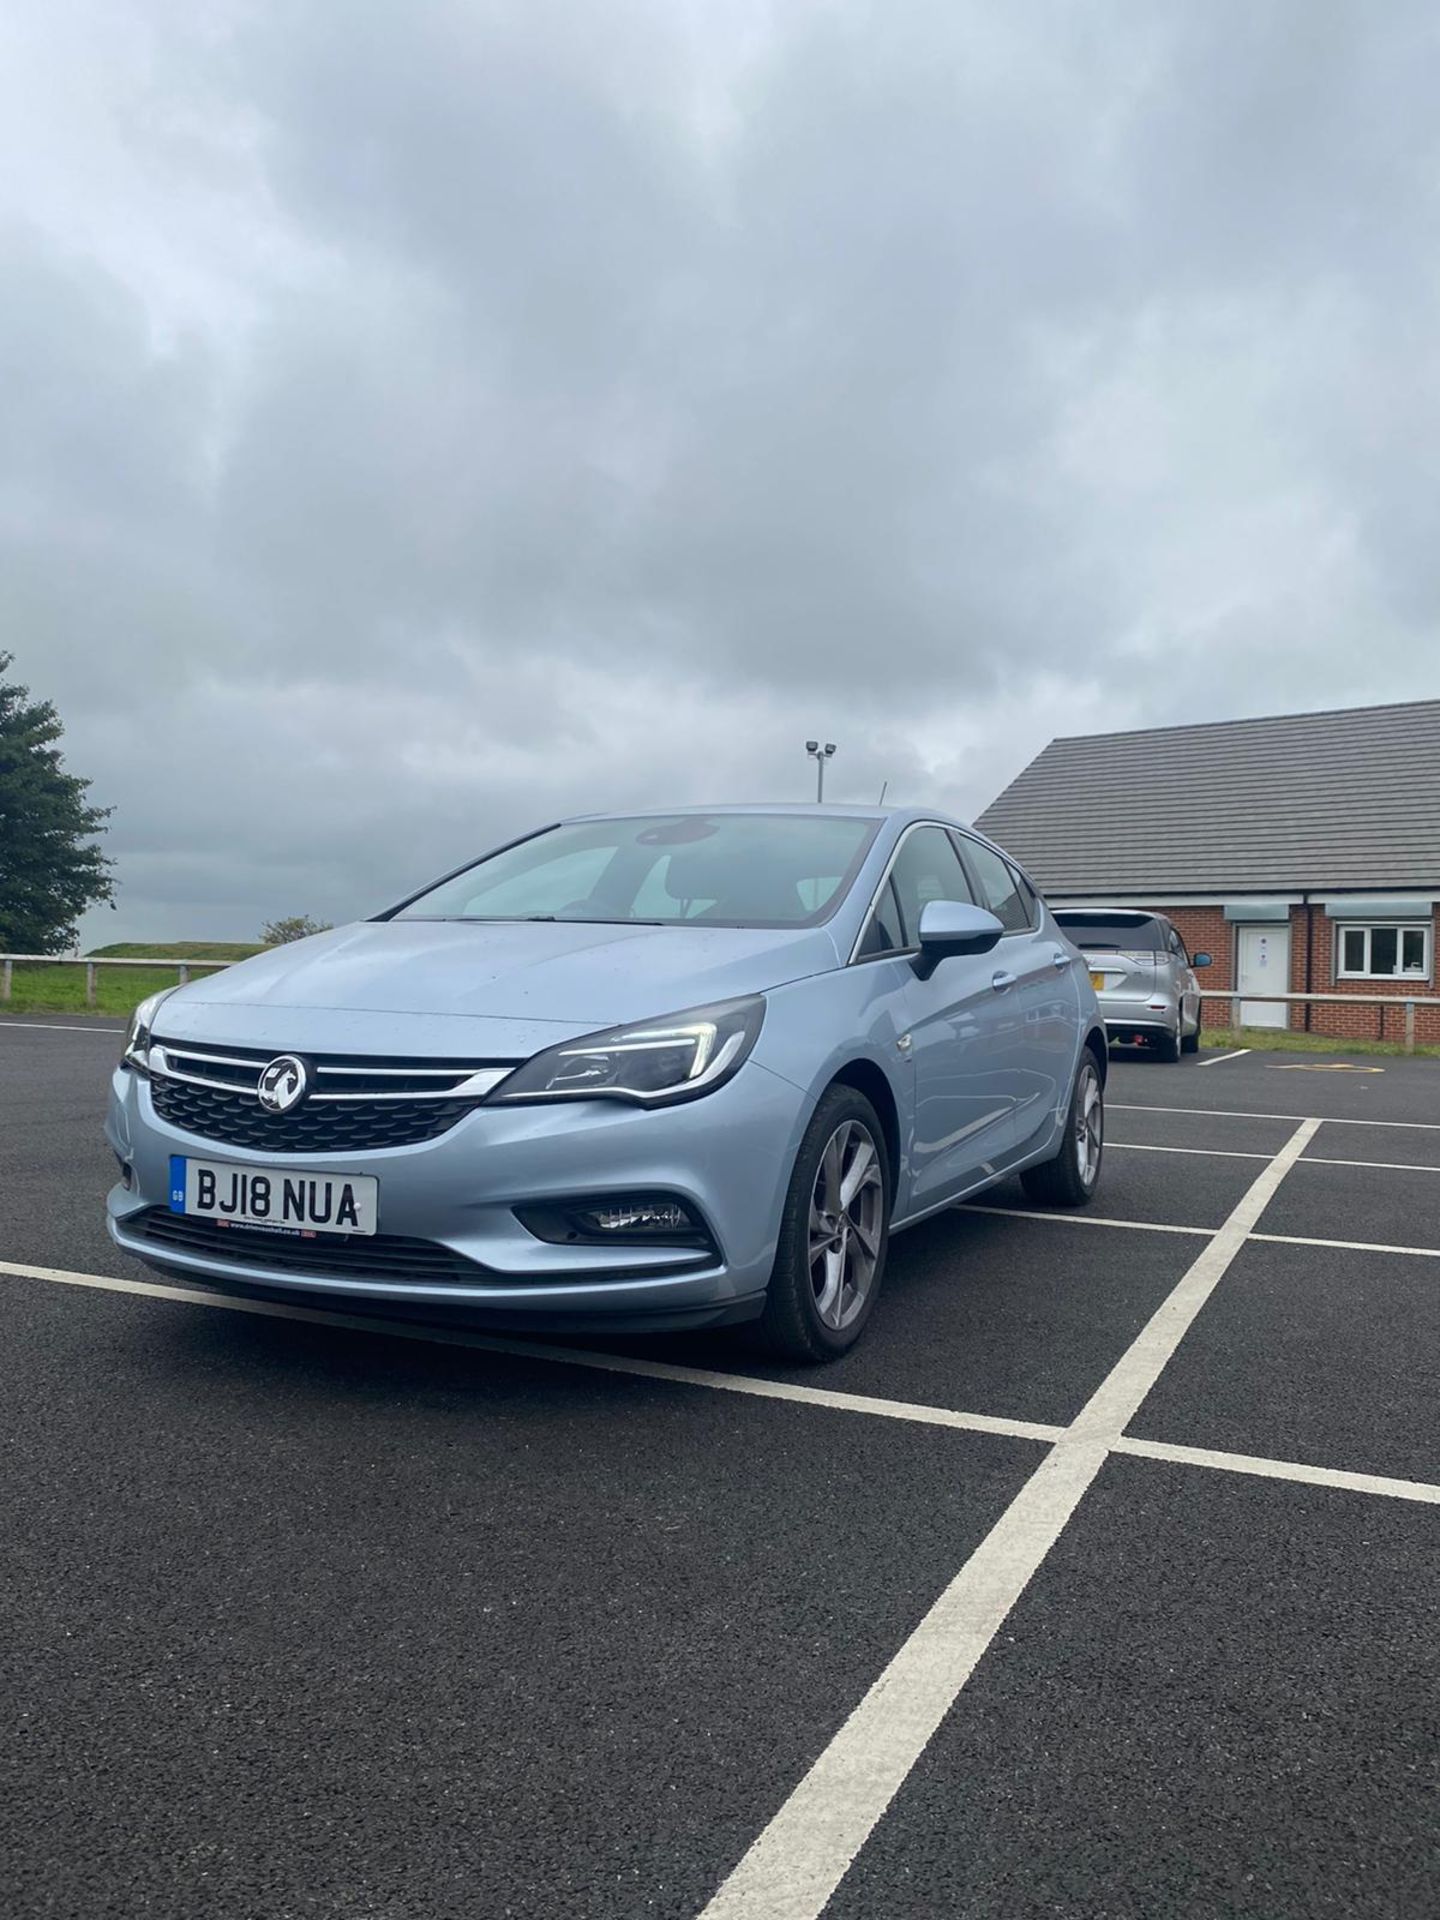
(847, 1215)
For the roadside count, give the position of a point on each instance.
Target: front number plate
(272, 1197)
(1097, 980)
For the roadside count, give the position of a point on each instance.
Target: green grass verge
(36, 988)
(1282, 1040)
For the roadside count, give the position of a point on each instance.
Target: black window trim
(959, 834)
(858, 959)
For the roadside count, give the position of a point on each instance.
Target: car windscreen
(729, 870)
(1113, 932)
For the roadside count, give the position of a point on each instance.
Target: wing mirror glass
(1201, 960)
(953, 926)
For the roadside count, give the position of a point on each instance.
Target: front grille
(359, 1103)
(387, 1257)
(235, 1120)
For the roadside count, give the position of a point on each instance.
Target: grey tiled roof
(1304, 801)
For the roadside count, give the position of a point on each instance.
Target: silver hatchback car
(1142, 974)
(654, 1071)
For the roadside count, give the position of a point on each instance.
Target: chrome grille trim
(460, 1081)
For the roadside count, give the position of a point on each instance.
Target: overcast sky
(422, 419)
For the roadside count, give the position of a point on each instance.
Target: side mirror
(953, 926)
(1201, 960)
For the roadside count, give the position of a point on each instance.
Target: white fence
(1408, 1001)
(9, 961)
(184, 968)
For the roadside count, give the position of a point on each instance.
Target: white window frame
(1425, 928)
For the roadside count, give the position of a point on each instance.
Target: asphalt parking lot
(1103, 1579)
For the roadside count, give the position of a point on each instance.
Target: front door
(1264, 967)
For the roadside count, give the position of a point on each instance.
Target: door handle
(1062, 959)
(1001, 981)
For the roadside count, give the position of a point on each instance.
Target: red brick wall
(1206, 930)
(1355, 1023)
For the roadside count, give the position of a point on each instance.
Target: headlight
(653, 1064)
(137, 1034)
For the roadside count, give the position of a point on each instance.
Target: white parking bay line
(1151, 1226)
(1230, 1053)
(1381, 1166)
(1082, 1220)
(1375, 1483)
(757, 1388)
(801, 1857)
(1205, 1153)
(1344, 1246)
(1240, 1113)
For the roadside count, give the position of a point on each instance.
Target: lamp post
(819, 755)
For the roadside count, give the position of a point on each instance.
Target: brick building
(1302, 852)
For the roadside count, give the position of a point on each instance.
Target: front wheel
(1069, 1179)
(834, 1234)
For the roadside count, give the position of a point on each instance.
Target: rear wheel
(1168, 1045)
(1190, 1042)
(834, 1234)
(1069, 1179)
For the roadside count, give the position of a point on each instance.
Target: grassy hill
(177, 950)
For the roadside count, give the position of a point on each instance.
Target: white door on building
(1264, 967)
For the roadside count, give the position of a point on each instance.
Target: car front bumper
(727, 1156)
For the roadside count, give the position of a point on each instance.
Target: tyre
(1190, 1042)
(834, 1234)
(1168, 1045)
(1069, 1178)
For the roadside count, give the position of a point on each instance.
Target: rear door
(1034, 974)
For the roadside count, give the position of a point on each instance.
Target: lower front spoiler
(449, 1306)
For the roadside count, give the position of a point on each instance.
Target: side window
(927, 868)
(1029, 896)
(884, 932)
(999, 887)
(1177, 947)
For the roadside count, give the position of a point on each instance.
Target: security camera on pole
(819, 755)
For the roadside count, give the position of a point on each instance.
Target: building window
(1384, 953)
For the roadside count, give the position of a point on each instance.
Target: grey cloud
(477, 413)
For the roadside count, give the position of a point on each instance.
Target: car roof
(827, 810)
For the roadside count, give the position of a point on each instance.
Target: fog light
(653, 1219)
(637, 1216)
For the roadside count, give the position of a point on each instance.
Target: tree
(50, 870)
(299, 926)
